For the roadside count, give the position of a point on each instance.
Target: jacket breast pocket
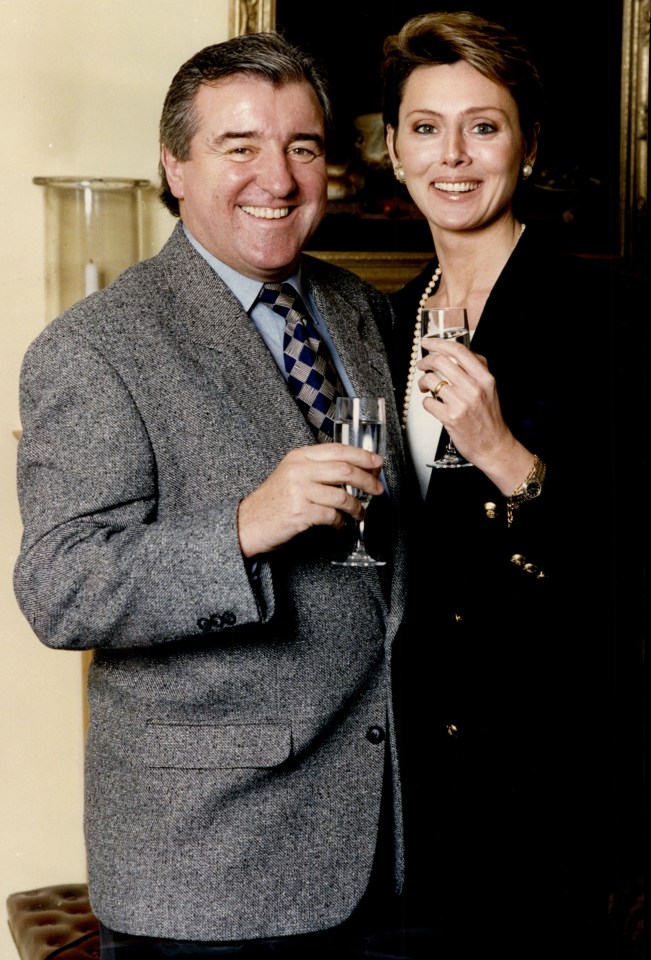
(203, 746)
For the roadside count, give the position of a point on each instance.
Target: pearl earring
(399, 173)
(527, 170)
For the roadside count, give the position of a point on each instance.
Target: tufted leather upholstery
(54, 922)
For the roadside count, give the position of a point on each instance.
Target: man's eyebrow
(234, 135)
(229, 135)
(313, 137)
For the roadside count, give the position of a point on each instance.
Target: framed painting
(589, 187)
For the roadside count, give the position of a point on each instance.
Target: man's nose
(275, 174)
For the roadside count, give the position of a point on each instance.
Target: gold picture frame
(251, 16)
(634, 131)
(247, 16)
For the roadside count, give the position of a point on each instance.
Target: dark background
(577, 48)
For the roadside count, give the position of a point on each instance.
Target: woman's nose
(454, 148)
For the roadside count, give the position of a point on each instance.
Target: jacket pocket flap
(197, 746)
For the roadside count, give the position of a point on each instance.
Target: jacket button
(375, 735)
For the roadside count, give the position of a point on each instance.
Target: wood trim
(251, 16)
(634, 146)
(86, 660)
(386, 270)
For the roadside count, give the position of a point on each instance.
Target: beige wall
(82, 85)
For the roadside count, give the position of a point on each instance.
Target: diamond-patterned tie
(312, 377)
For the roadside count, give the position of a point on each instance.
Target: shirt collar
(245, 289)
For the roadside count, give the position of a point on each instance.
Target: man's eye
(240, 153)
(303, 154)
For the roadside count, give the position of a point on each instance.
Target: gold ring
(437, 389)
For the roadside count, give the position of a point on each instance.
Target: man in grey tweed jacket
(180, 521)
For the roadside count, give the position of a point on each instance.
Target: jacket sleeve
(98, 566)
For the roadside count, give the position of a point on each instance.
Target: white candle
(91, 279)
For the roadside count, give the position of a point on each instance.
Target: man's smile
(266, 213)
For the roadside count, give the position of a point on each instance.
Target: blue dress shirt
(269, 324)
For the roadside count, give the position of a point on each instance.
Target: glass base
(449, 462)
(359, 560)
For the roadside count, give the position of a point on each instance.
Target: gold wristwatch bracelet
(529, 489)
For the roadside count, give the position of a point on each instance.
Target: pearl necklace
(416, 349)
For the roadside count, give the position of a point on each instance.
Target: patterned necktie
(312, 377)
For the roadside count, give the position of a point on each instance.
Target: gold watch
(529, 489)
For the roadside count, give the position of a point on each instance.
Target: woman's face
(460, 145)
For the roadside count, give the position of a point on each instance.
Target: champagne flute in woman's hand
(446, 323)
(360, 422)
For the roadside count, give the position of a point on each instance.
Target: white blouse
(423, 434)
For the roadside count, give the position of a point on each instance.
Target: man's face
(255, 185)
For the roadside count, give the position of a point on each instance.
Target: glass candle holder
(93, 232)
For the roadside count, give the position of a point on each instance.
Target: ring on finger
(437, 389)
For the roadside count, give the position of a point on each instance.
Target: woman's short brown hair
(437, 38)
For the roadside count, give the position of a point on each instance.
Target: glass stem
(361, 546)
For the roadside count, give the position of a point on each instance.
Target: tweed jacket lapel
(346, 322)
(210, 314)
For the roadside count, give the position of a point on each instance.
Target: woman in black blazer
(505, 695)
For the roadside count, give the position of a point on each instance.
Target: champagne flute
(446, 323)
(360, 422)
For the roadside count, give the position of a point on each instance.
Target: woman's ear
(391, 137)
(532, 146)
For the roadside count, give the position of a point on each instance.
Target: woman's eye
(425, 128)
(484, 128)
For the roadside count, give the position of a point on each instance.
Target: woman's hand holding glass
(463, 396)
(446, 323)
(468, 406)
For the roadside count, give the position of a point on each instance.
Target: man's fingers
(340, 451)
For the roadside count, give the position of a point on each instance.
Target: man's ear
(173, 172)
